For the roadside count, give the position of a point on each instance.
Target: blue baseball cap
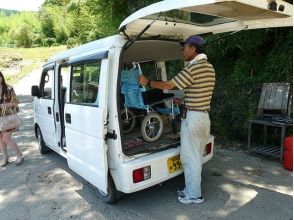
(193, 39)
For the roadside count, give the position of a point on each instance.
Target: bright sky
(21, 5)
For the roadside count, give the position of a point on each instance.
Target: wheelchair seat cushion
(155, 95)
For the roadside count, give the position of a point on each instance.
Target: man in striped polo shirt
(197, 80)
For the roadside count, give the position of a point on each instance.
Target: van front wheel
(111, 197)
(42, 146)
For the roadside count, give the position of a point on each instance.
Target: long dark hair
(4, 86)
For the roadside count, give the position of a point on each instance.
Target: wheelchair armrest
(168, 95)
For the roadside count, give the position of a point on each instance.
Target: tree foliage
(69, 22)
(243, 62)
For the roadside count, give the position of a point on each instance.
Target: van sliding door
(85, 119)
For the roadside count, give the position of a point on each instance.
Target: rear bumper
(123, 177)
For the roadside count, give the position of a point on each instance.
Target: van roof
(92, 47)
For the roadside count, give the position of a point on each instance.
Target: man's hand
(143, 80)
(178, 101)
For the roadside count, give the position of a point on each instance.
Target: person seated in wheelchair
(136, 97)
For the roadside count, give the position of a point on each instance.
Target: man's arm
(156, 84)
(182, 80)
(162, 85)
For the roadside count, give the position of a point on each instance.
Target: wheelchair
(148, 105)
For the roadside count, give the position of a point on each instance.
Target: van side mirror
(35, 91)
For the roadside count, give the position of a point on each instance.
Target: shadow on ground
(236, 185)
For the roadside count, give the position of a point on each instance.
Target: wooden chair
(274, 100)
(274, 109)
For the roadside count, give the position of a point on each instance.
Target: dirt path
(236, 185)
(23, 87)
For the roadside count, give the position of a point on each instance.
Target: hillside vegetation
(65, 22)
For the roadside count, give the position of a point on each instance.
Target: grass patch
(38, 53)
(16, 63)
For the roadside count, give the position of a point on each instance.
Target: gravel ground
(236, 185)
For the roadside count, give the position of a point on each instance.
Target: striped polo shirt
(197, 80)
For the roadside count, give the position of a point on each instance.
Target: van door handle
(68, 118)
(57, 116)
(49, 110)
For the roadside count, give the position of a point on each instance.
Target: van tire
(42, 146)
(155, 117)
(112, 195)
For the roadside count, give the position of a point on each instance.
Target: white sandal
(19, 161)
(5, 162)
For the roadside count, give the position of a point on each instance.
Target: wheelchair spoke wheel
(152, 127)
(175, 123)
(128, 120)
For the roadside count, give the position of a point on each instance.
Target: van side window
(64, 82)
(47, 84)
(149, 69)
(84, 84)
(173, 67)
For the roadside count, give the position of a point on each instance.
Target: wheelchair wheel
(128, 119)
(174, 125)
(152, 127)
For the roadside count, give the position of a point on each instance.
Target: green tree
(21, 36)
(22, 28)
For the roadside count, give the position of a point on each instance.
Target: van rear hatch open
(180, 19)
(176, 20)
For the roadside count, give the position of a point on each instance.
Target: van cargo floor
(136, 144)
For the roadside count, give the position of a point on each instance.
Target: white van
(78, 105)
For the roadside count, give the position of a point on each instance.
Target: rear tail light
(141, 174)
(208, 148)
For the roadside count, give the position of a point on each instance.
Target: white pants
(195, 130)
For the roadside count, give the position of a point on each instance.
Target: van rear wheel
(112, 194)
(42, 146)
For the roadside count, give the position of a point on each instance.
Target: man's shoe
(182, 192)
(186, 200)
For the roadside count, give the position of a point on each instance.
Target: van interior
(158, 60)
